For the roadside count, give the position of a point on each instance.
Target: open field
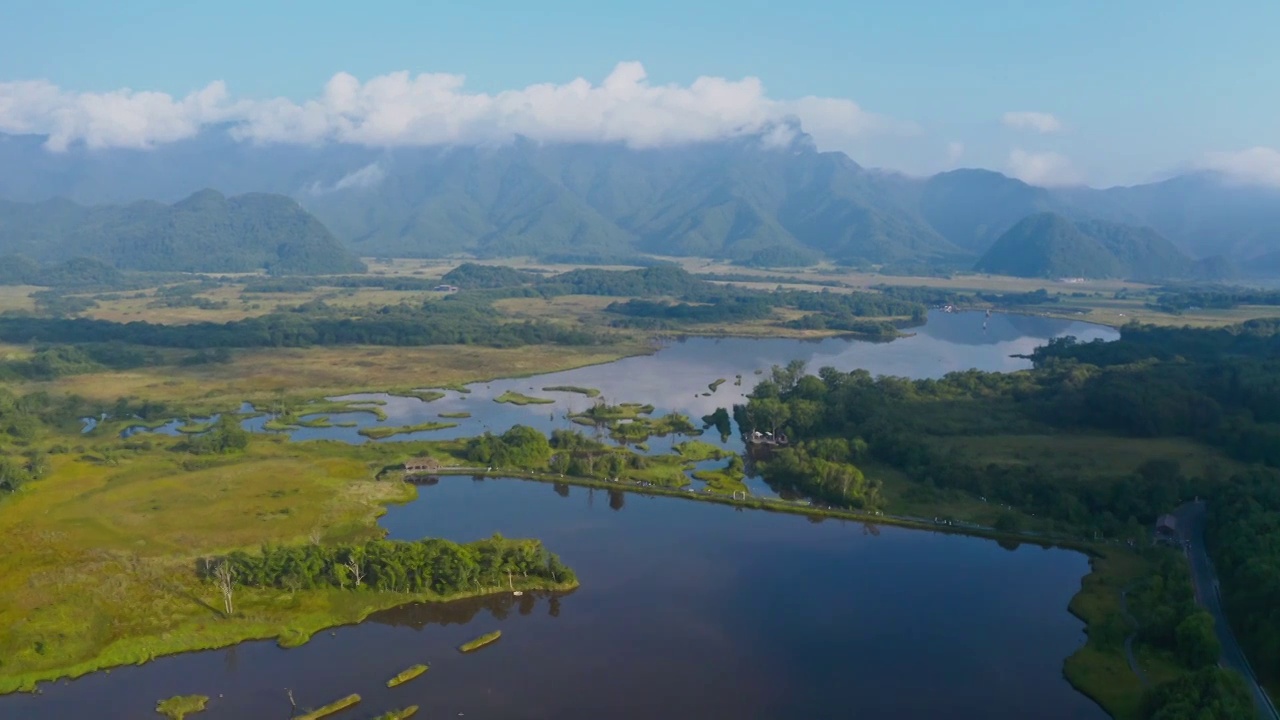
(313, 372)
(17, 297)
(1117, 312)
(566, 308)
(1089, 456)
(135, 306)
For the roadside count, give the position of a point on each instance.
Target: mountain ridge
(748, 199)
(204, 232)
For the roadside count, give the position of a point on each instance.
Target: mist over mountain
(205, 232)
(753, 199)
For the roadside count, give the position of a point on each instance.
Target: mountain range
(205, 232)
(747, 200)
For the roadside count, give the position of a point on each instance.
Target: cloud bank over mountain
(400, 109)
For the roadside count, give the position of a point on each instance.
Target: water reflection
(420, 616)
(686, 610)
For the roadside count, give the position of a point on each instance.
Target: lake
(686, 610)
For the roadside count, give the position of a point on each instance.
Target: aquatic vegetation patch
(401, 714)
(698, 450)
(180, 706)
(727, 480)
(406, 675)
(425, 396)
(382, 432)
(482, 641)
(462, 415)
(330, 709)
(589, 392)
(514, 398)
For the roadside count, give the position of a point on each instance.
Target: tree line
(431, 323)
(431, 565)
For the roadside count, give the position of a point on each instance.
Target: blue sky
(1138, 88)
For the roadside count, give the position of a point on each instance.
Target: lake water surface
(686, 610)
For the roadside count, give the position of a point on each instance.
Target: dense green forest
(1218, 387)
(430, 565)
(206, 232)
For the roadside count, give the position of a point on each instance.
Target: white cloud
(1040, 122)
(1046, 169)
(1255, 166)
(366, 177)
(435, 109)
(120, 118)
(955, 151)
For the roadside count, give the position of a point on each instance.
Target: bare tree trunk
(354, 566)
(224, 576)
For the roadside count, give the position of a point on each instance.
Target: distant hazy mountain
(1050, 245)
(972, 208)
(204, 232)
(1203, 214)
(737, 200)
(747, 199)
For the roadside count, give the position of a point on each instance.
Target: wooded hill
(206, 232)
(1052, 246)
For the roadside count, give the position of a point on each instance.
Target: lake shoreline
(285, 636)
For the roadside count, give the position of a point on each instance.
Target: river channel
(686, 610)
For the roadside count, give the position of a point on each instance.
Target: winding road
(1191, 521)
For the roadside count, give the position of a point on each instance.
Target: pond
(686, 610)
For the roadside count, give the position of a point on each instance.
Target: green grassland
(100, 563)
